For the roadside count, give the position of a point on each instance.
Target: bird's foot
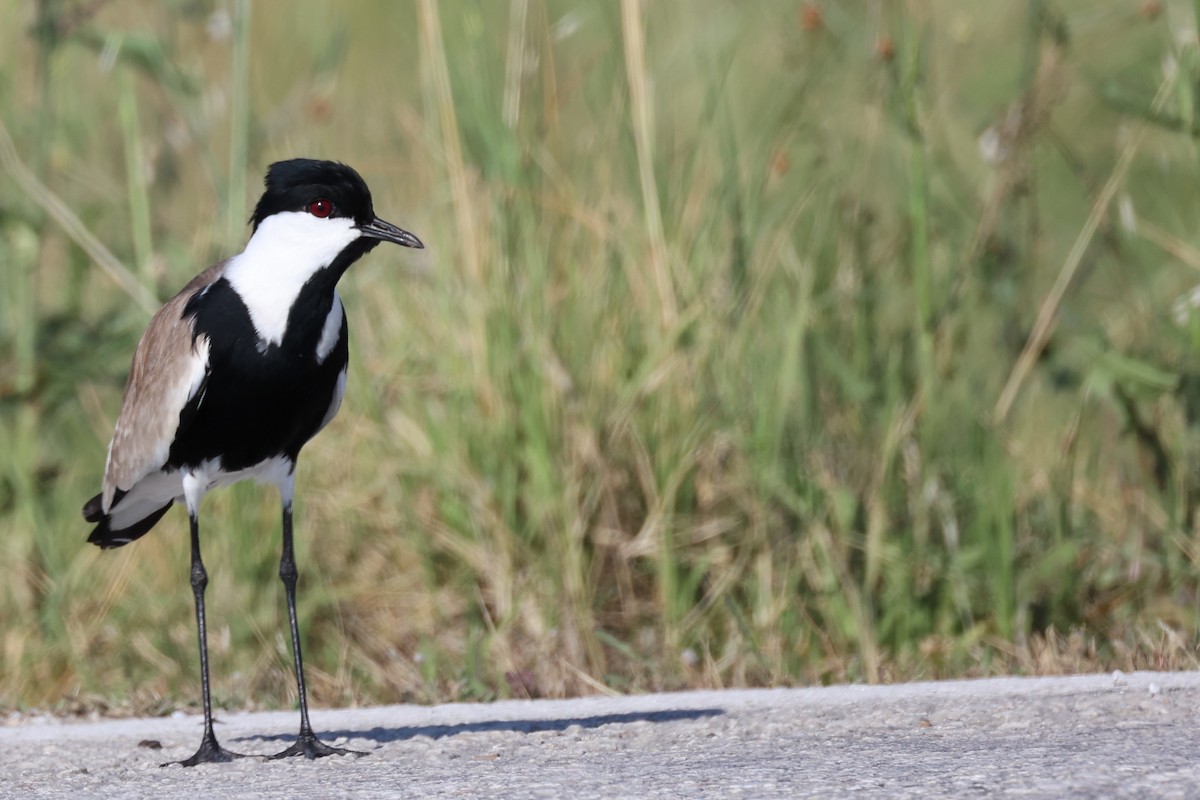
(209, 753)
(309, 746)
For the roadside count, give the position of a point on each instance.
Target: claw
(209, 753)
(311, 747)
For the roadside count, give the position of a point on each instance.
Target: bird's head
(324, 202)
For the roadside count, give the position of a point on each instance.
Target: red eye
(321, 207)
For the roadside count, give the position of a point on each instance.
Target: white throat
(287, 249)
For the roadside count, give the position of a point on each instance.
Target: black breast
(258, 400)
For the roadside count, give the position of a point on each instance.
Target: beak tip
(387, 232)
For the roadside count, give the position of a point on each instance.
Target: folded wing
(170, 368)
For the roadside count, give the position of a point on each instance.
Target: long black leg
(209, 750)
(307, 744)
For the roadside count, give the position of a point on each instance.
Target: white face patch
(287, 249)
(332, 330)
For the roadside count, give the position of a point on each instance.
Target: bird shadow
(383, 735)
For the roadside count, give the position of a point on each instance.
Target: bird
(234, 375)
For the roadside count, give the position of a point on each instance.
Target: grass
(755, 344)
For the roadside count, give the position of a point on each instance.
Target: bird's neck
(292, 264)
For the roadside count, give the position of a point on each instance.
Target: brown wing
(168, 369)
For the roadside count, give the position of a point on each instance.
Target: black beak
(387, 232)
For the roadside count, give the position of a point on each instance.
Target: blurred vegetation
(755, 343)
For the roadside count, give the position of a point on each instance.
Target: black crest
(292, 185)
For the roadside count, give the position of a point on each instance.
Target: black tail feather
(105, 537)
(93, 510)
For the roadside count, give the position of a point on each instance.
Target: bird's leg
(307, 744)
(209, 750)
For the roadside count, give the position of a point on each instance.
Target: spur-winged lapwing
(235, 373)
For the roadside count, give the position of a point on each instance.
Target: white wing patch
(332, 331)
(339, 391)
(287, 249)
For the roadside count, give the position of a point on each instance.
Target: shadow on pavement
(381, 734)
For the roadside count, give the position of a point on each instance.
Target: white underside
(189, 487)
